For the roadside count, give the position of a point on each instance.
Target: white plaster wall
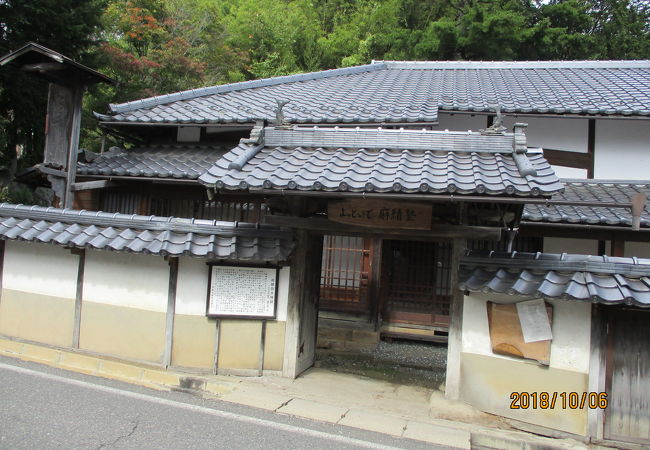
(570, 347)
(557, 133)
(569, 172)
(573, 246)
(639, 249)
(40, 269)
(125, 279)
(622, 149)
(283, 294)
(460, 122)
(192, 286)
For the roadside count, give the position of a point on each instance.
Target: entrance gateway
(395, 210)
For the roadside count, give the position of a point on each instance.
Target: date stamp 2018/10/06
(564, 400)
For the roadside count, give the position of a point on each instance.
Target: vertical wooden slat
(171, 311)
(76, 329)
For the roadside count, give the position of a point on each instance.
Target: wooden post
(374, 294)
(217, 335)
(591, 147)
(595, 417)
(454, 346)
(260, 369)
(618, 247)
(297, 277)
(2, 264)
(71, 167)
(76, 331)
(171, 311)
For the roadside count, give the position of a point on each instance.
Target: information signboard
(247, 292)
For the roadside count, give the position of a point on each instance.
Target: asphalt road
(43, 408)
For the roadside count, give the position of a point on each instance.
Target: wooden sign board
(381, 214)
(245, 292)
(507, 337)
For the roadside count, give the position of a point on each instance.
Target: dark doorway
(417, 290)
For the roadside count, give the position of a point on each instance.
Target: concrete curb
(435, 431)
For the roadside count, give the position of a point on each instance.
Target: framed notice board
(242, 292)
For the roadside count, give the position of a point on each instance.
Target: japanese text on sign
(242, 291)
(381, 214)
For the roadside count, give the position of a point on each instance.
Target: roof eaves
(55, 56)
(587, 64)
(211, 90)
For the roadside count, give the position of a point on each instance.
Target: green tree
(70, 27)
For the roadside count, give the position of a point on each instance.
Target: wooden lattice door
(345, 273)
(627, 416)
(416, 283)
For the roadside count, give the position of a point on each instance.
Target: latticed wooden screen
(345, 273)
(128, 202)
(417, 282)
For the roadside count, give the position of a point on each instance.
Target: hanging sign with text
(381, 214)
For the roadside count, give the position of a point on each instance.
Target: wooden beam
(569, 159)
(171, 311)
(50, 171)
(76, 330)
(325, 226)
(584, 232)
(99, 184)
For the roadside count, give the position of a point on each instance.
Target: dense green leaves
(158, 46)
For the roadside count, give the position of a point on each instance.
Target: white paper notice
(534, 322)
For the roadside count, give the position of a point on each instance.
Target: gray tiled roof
(156, 161)
(366, 160)
(409, 92)
(600, 279)
(166, 236)
(592, 190)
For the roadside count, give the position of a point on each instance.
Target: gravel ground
(400, 361)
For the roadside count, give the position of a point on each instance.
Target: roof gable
(378, 160)
(404, 92)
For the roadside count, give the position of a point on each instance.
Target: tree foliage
(155, 47)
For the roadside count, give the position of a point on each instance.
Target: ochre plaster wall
(488, 380)
(274, 345)
(239, 344)
(39, 288)
(124, 305)
(122, 331)
(37, 317)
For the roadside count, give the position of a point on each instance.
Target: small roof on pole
(53, 66)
